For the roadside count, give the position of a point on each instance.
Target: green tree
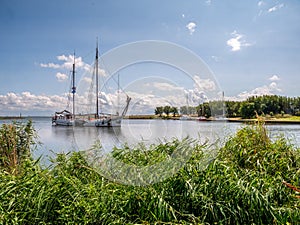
(247, 110)
(167, 110)
(174, 110)
(159, 110)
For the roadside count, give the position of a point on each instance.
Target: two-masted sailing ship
(96, 119)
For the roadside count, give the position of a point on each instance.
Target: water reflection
(57, 139)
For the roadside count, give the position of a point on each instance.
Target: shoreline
(233, 120)
(266, 121)
(150, 117)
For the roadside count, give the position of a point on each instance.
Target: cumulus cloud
(237, 41)
(165, 86)
(208, 2)
(67, 63)
(261, 3)
(274, 78)
(87, 80)
(191, 26)
(61, 77)
(276, 7)
(204, 84)
(270, 89)
(199, 92)
(31, 104)
(50, 65)
(28, 102)
(147, 96)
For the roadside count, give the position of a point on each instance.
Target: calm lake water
(57, 139)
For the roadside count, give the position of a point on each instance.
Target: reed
(16, 142)
(242, 185)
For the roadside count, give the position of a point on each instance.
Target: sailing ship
(100, 119)
(97, 119)
(65, 117)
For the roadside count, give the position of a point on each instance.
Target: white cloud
(237, 41)
(191, 27)
(274, 87)
(27, 102)
(276, 7)
(199, 92)
(208, 2)
(274, 78)
(260, 3)
(87, 80)
(67, 63)
(165, 86)
(61, 77)
(50, 65)
(215, 58)
(102, 72)
(270, 89)
(182, 15)
(204, 84)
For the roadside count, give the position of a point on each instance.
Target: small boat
(63, 118)
(202, 118)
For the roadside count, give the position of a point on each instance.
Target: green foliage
(166, 109)
(205, 110)
(247, 110)
(16, 141)
(242, 185)
(260, 105)
(159, 110)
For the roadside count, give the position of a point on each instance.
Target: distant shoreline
(11, 117)
(234, 120)
(21, 118)
(150, 117)
(266, 121)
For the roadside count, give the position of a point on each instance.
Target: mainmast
(73, 86)
(223, 102)
(97, 84)
(118, 103)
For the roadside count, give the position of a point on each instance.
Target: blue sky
(251, 46)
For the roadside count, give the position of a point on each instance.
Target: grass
(244, 184)
(271, 119)
(289, 118)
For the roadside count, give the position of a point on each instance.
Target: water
(57, 139)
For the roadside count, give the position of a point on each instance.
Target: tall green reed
(242, 185)
(16, 141)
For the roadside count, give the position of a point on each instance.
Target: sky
(251, 47)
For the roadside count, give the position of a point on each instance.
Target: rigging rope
(113, 78)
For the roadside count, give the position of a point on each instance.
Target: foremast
(73, 87)
(97, 81)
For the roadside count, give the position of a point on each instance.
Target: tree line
(252, 106)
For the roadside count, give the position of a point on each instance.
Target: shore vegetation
(252, 180)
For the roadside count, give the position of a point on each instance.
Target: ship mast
(97, 85)
(118, 103)
(73, 86)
